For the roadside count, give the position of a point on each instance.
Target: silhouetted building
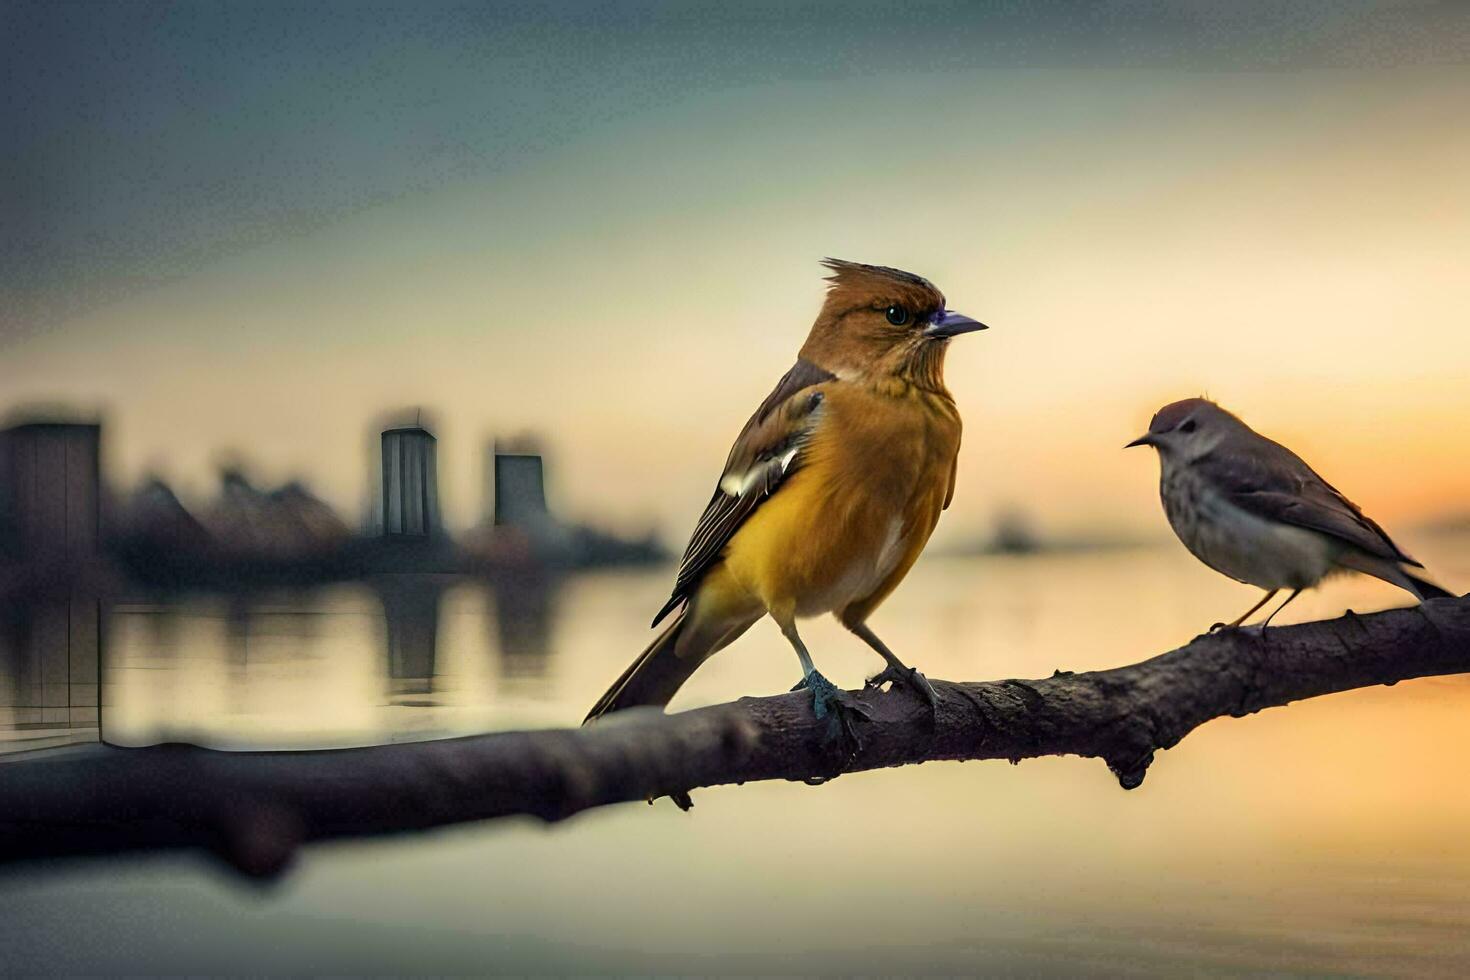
(520, 489)
(153, 519)
(523, 524)
(283, 525)
(410, 482)
(519, 486)
(50, 633)
(239, 519)
(153, 537)
(50, 490)
(312, 525)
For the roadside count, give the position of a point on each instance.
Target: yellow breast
(847, 525)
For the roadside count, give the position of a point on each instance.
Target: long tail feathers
(653, 678)
(1425, 589)
(1394, 574)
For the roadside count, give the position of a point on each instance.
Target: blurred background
(364, 367)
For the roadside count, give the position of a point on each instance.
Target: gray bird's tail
(653, 678)
(1394, 574)
(1425, 589)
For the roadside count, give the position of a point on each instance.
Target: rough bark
(255, 809)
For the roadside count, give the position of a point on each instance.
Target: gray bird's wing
(767, 451)
(1266, 479)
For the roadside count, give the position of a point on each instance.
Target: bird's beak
(947, 323)
(1147, 439)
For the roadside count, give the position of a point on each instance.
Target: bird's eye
(897, 315)
(1187, 426)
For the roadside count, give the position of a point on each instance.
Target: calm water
(1328, 837)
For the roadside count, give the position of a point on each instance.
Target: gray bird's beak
(947, 323)
(1146, 439)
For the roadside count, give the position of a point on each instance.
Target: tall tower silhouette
(50, 489)
(410, 482)
(50, 520)
(519, 487)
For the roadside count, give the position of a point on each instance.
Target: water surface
(1326, 837)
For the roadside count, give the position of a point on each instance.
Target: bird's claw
(837, 706)
(828, 697)
(910, 678)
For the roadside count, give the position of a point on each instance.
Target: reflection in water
(153, 634)
(411, 612)
(525, 607)
(1326, 837)
(408, 655)
(49, 645)
(427, 654)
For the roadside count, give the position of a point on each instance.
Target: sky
(256, 231)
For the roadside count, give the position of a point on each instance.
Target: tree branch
(254, 809)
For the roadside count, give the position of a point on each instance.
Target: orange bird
(829, 493)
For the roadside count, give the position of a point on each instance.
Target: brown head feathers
(854, 284)
(873, 325)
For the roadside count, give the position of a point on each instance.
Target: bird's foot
(836, 705)
(828, 697)
(910, 678)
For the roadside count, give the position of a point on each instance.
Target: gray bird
(1254, 510)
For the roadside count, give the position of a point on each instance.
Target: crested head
(878, 321)
(854, 284)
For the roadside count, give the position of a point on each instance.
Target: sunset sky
(250, 231)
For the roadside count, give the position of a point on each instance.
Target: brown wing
(767, 451)
(1269, 480)
(954, 472)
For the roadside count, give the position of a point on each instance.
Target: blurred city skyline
(243, 230)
